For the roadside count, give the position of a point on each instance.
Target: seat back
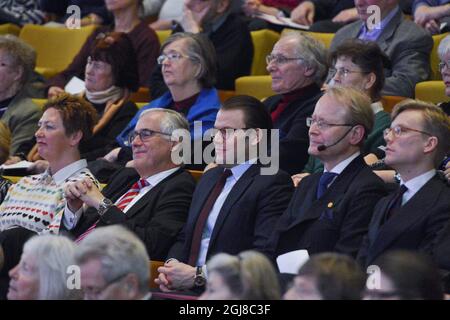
(431, 91)
(163, 35)
(153, 266)
(257, 86)
(9, 28)
(55, 47)
(263, 42)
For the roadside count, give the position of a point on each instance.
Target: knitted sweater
(37, 202)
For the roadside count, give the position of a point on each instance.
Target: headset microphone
(323, 147)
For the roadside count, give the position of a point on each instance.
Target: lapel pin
(330, 205)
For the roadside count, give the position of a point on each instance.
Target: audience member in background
(43, 270)
(17, 111)
(152, 201)
(189, 70)
(331, 211)
(235, 205)
(229, 35)
(275, 8)
(324, 15)
(444, 68)
(430, 14)
(407, 45)
(36, 203)
(92, 11)
(328, 276)
(5, 143)
(297, 65)
(114, 265)
(110, 75)
(359, 64)
(21, 12)
(246, 276)
(404, 275)
(171, 12)
(126, 19)
(151, 8)
(413, 216)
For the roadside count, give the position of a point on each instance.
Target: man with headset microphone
(331, 211)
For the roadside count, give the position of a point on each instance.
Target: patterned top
(4, 186)
(37, 202)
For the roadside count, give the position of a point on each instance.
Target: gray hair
(313, 52)
(249, 275)
(172, 120)
(444, 47)
(54, 254)
(20, 54)
(120, 252)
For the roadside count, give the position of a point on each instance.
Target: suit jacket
(335, 222)
(247, 217)
(294, 139)
(407, 45)
(156, 218)
(414, 226)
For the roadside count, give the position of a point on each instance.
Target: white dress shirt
(415, 184)
(341, 166)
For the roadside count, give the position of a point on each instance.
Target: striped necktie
(123, 202)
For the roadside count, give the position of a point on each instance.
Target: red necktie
(203, 216)
(275, 114)
(124, 201)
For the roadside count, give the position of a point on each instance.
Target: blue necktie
(324, 181)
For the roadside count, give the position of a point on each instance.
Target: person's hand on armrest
(346, 16)
(304, 13)
(296, 178)
(54, 91)
(175, 275)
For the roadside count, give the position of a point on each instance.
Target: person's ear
(369, 80)
(357, 134)
(75, 138)
(431, 144)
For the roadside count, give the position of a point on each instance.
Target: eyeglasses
(322, 125)
(444, 64)
(228, 132)
(94, 293)
(173, 56)
(144, 135)
(397, 131)
(97, 65)
(279, 59)
(342, 72)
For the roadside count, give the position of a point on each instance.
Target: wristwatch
(104, 205)
(199, 279)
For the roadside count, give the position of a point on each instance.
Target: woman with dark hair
(35, 204)
(404, 275)
(126, 19)
(110, 75)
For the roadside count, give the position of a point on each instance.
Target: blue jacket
(204, 109)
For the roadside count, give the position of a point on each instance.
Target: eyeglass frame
(276, 59)
(343, 71)
(403, 129)
(325, 125)
(151, 133)
(173, 56)
(99, 291)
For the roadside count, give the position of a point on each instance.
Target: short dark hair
(369, 57)
(337, 276)
(413, 274)
(77, 114)
(201, 50)
(255, 112)
(116, 49)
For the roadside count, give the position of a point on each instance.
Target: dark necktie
(203, 216)
(396, 202)
(275, 114)
(324, 181)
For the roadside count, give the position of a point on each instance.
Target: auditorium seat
(257, 86)
(263, 42)
(163, 35)
(142, 95)
(389, 102)
(55, 47)
(432, 91)
(325, 38)
(154, 265)
(434, 57)
(40, 102)
(9, 28)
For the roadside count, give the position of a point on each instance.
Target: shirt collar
(63, 174)
(240, 169)
(377, 107)
(382, 24)
(343, 164)
(418, 182)
(157, 178)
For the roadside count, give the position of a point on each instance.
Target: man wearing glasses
(414, 216)
(152, 199)
(298, 67)
(330, 211)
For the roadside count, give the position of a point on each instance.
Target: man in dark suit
(238, 202)
(414, 216)
(406, 44)
(331, 211)
(152, 200)
(297, 65)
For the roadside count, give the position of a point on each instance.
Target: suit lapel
(418, 206)
(388, 32)
(235, 194)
